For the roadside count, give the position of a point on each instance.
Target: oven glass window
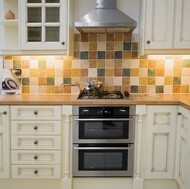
(104, 130)
(96, 160)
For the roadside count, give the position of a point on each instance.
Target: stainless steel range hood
(106, 18)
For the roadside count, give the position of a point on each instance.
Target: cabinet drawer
(36, 171)
(36, 112)
(35, 157)
(36, 142)
(36, 127)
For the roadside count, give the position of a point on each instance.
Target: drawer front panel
(36, 112)
(31, 142)
(36, 171)
(36, 127)
(27, 157)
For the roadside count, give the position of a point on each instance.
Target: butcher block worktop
(71, 99)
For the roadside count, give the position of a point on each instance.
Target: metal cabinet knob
(35, 127)
(35, 142)
(35, 157)
(5, 113)
(36, 172)
(148, 42)
(178, 113)
(63, 43)
(35, 112)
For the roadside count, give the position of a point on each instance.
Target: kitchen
(147, 74)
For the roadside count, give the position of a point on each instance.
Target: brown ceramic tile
(77, 37)
(126, 80)
(84, 72)
(101, 37)
(92, 55)
(151, 80)
(67, 89)
(117, 72)
(110, 38)
(118, 37)
(142, 89)
(134, 72)
(127, 37)
(109, 54)
(93, 46)
(127, 55)
(110, 46)
(109, 72)
(101, 64)
(84, 37)
(92, 37)
(92, 63)
(118, 64)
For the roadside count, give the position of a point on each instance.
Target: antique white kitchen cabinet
(183, 148)
(36, 141)
(165, 26)
(4, 142)
(39, 27)
(160, 142)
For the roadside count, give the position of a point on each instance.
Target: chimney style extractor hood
(106, 18)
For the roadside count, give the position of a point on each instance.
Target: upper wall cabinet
(165, 27)
(41, 27)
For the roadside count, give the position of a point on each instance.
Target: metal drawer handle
(35, 157)
(106, 119)
(104, 148)
(5, 113)
(36, 172)
(35, 142)
(35, 127)
(35, 112)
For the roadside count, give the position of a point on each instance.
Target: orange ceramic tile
(127, 55)
(101, 64)
(125, 88)
(159, 72)
(160, 64)
(92, 37)
(151, 80)
(143, 63)
(127, 37)
(42, 72)
(109, 72)
(33, 72)
(50, 72)
(110, 46)
(75, 73)
(178, 63)
(143, 80)
(59, 89)
(25, 64)
(117, 72)
(126, 81)
(109, 54)
(134, 54)
(176, 89)
(110, 37)
(84, 72)
(134, 72)
(42, 81)
(184, 89)
(92, 46)
(67, 72)
(25, 89)
(8, 57)
(118, 37)
(50, 89)
(168, 81)
(66, 64)
(118, 64)
(67, 89)
(92, 55)
(92, 63)
(151, 63)
(177, 72)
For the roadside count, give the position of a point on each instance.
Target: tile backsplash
(110, 58)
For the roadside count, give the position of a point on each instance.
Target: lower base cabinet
(183, 149)
(160, 132)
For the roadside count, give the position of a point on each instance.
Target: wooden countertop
(71, 99)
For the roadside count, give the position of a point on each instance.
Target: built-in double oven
(103, 141)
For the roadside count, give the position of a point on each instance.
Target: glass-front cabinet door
(43, 24)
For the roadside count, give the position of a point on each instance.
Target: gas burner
(94, 94)
(112, 95)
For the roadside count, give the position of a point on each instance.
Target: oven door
(103, 160)
(109, 130)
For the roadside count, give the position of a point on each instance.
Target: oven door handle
(105, 119)
(104, 148)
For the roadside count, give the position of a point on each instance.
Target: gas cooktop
(95, 94)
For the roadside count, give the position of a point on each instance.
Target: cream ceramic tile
(159, 80)
(185, 80)
(92, 72)
(50, 64)
(58, 64)
(169, 64)
(8, 64)
(76, 64)
(33, 63)
(109, 64)
(168, 89)
(117, 81)
(134, 80)
(134, 63)
(34, 81)
(101, 46)
(34, 89)
(109, 81)
(25, 72)
(58, 81)
(84, 46)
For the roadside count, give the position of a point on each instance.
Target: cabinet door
(182, 148)
(4, 142)
(159, 24)
(44, 24)
(160, 142)
(182, 26)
